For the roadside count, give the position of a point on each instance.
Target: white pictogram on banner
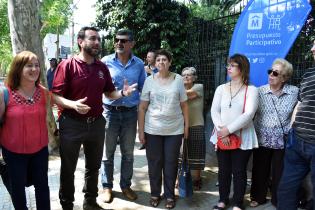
(275, 12)
(255, 21)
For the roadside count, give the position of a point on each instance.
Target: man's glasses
(121, 40)
(274, 73)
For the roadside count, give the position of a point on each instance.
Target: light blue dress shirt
(133, 71)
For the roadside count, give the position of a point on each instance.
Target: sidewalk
(201, 200)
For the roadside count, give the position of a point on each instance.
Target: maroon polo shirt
(75, 79)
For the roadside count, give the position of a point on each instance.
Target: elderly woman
(196, 138)
(163, 122)
(232, 111)
(276, 103)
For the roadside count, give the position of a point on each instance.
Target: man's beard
(90, 51)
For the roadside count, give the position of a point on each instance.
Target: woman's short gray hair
(287, 67)
(192, 69)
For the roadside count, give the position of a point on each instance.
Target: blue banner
(266, 30)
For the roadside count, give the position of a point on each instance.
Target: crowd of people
(103, 102)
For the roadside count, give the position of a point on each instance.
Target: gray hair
(192, 69)
(287, 68)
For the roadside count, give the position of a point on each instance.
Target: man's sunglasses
(121, 40)
(274, 73)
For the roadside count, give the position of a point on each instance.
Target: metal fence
(209, 43)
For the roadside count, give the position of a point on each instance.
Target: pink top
(24, 129)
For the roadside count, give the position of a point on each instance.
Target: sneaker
(106, 195)
(91, 206)
(129, 193)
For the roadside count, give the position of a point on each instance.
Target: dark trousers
(233, 162)
(265, 159)
(20, 166)
(162, 155)
(73, 134)
(4, 175)
(299, 160)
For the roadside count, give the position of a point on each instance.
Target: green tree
(5, 41)
(212, 9)
(156, 24)
(54, 16)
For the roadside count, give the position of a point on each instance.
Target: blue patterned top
(267, 122)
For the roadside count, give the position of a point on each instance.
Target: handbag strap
(274, 105)
(245, 97)
(185, 151)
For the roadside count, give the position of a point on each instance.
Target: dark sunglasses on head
(274, 73)
(121, 40)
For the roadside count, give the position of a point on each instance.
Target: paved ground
(201, 200)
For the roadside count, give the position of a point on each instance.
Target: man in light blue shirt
(121, 114)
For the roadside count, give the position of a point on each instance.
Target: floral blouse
(271, 111)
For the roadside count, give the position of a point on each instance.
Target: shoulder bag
(185, 187)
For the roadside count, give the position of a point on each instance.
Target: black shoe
(142, 147)
(67, 206)
(91, 206)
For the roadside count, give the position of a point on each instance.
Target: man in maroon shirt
(78, 87)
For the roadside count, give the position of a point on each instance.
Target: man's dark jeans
(73, 134)
(299, 159)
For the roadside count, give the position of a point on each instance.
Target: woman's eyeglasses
(231, 65)
(274, 73)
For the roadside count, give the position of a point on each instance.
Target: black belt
(120, 108)
(82, 119)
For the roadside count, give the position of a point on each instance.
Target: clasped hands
(223, 133)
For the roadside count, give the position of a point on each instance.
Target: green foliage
(5, 41)
(55, 16)
(212, 9)
(156, 24)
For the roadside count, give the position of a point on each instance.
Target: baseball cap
(52, 59)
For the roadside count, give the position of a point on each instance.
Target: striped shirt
(304, 123)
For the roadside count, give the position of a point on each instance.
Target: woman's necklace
(233, 96)
(29, 97)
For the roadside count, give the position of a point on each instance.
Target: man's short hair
(125, 32)
(81, 33)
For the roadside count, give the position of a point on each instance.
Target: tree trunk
(25, 28)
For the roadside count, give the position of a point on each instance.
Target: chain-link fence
(209, 43)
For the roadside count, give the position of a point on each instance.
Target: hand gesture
(80, 107)
(128, 89)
